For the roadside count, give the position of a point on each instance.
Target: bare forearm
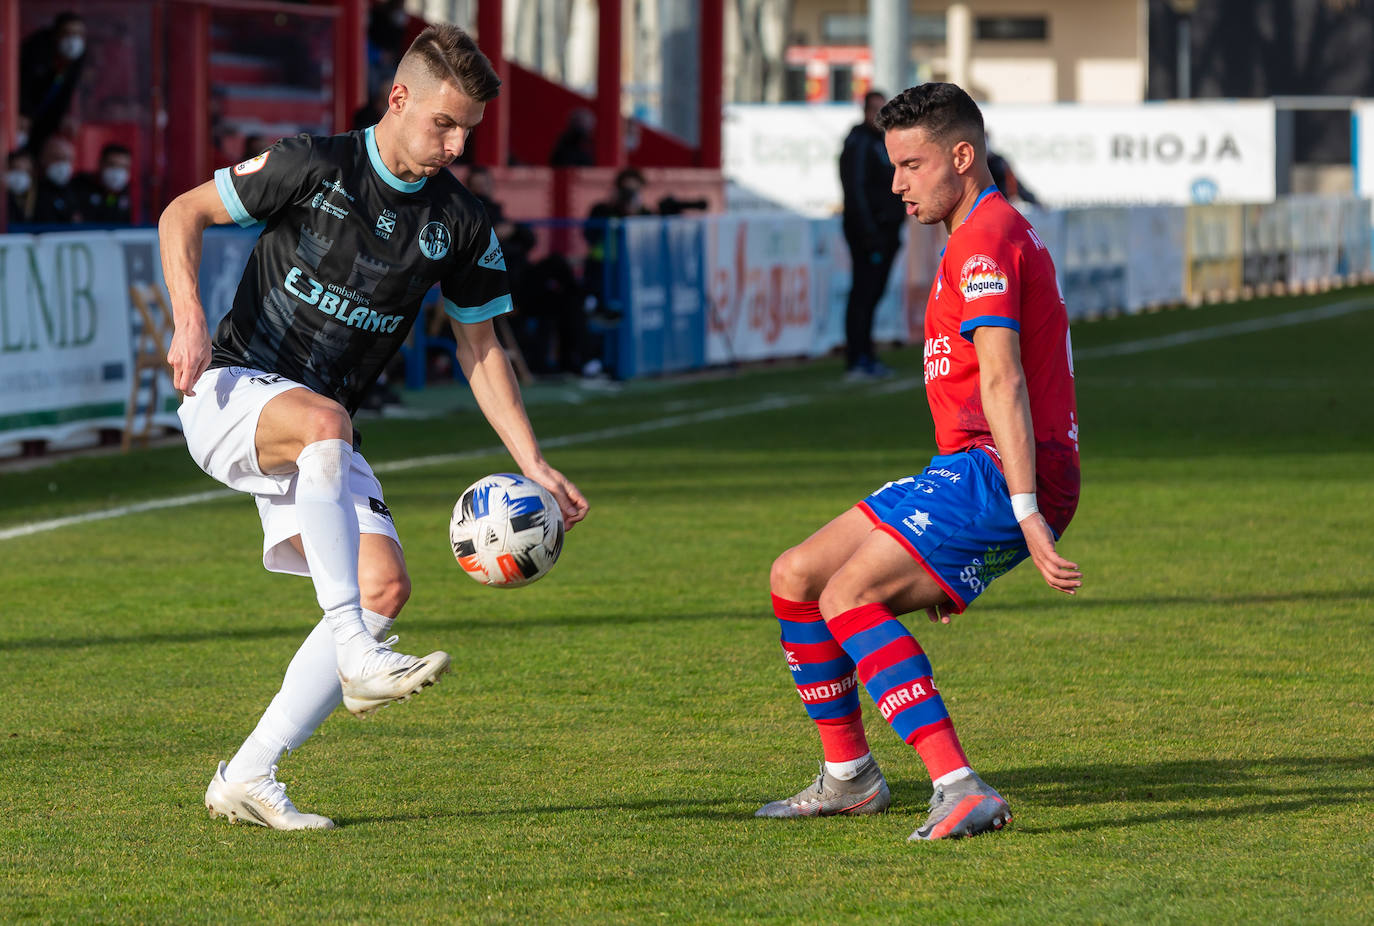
(1006, 405)
(180, 231)
(493, 384)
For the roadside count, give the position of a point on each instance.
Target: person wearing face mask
(51, 62)
(19, 187)
(627, 199)
(56, 202)
(103, 196)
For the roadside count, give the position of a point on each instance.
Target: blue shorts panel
(955, 518)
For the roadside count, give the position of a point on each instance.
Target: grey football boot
(827, 796)
(967, 807)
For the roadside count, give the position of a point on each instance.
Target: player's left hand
(570, 498)
(1058, 572)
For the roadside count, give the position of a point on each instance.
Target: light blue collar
(375, 156)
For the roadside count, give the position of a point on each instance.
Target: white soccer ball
(506, 530)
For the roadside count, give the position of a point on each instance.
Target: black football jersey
(347, 253)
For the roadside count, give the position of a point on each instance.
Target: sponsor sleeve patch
(981, 276)
(252, 165)
(494, 259)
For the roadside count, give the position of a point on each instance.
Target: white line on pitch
(771, 403)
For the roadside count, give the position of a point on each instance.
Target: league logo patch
(434, 240)
(981, 277)
(252, 165)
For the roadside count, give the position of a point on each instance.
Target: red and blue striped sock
(825, 678)
(897, 674)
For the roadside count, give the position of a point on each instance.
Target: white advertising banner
(1173, 153)
(787, 155)
(760, 291)
(1362, 135)
(65, 347)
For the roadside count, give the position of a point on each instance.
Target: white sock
(950, 778)
(329, 534)
(309, 693)
(843, 771)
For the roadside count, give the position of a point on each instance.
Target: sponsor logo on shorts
(434, 240)
(917, 522)
(944, 474)
(379, 507)
(981, 570)
(980, 276)
(267, 379)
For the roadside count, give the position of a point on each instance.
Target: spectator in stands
(551, 322)
(873, 219)
(21, 134)
(371, 112)
(626, 200)
(20, 189)
(576, 147)
(102, 196)
(387, 24)
(1008, 184)
(51, 62)
(55, 202)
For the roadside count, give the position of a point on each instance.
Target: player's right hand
(189, 353)
(1058, 572)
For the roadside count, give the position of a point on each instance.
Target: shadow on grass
(699, 808)
(1185, 791)
(1046, 602)
(298, 630)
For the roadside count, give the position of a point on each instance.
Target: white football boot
(388, 676)
(260, 801)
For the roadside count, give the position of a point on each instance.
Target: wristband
(1023, 506)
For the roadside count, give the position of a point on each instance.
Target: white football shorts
(220, 423)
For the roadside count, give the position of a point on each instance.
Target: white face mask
(115, 178)
(59, 172)
(71, 46)
(17, 182)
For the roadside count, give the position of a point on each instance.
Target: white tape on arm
(1023, 506)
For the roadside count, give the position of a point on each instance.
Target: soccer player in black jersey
(357, 228)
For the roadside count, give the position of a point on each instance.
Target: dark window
(794, 83)
(1011, 28)
(852, 28)
(841, 83)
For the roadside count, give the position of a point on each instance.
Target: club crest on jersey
(434, 240)
(252, 165)
(981, 277)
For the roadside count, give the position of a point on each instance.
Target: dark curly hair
(945, 111)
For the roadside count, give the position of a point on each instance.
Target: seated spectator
(576, 147)
(51, 62)
(102, 196)
(371, 112)
(56, 202)
(627, 199)
(20, 192)
(551, 322)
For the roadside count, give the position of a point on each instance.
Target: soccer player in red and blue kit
(999, 380)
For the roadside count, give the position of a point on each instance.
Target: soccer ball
(506, 530)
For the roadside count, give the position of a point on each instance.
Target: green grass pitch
(1190, 739)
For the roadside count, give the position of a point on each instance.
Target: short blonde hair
(447, 53)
